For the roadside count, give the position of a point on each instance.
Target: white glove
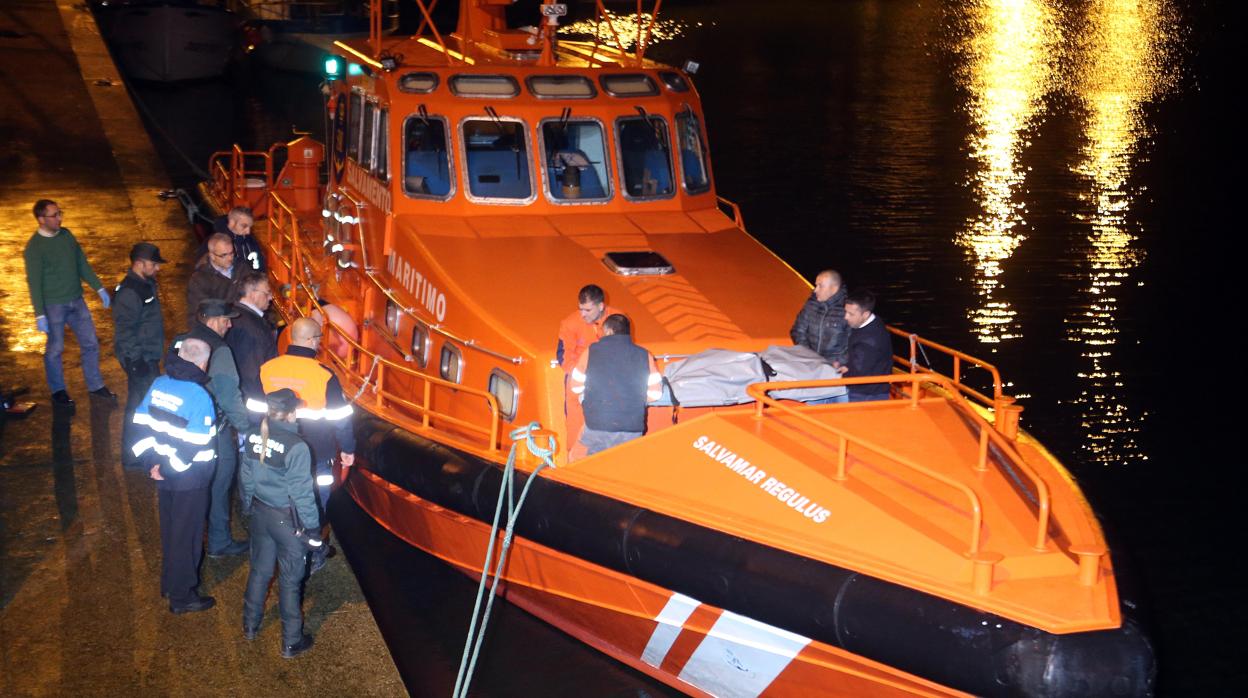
(41, 323)
(104, 298)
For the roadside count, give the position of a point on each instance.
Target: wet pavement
(80, 608)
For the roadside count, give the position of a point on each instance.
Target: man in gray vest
(614, 379)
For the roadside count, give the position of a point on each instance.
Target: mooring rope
(506, 490)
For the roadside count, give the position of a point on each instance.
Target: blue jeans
(76, 317)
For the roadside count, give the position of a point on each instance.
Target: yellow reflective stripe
(329, 414)
(254, 405)
(324, 480)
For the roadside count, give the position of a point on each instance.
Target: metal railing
(1005, 412)
(285, 240)
(987, 434)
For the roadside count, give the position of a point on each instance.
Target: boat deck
(904, 512)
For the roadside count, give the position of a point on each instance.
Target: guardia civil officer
(276, 482)
(325, 418)
(214, 318)
(176, 428)
(138, 334)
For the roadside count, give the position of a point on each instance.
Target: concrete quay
(80, 606)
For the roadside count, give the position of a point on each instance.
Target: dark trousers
(323, 484)
(182, 514)
(273, 541)
(137, 385)
(222, 479)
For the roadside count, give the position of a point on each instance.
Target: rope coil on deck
(506, 491)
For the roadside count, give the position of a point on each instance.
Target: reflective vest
(176, 423)
(325, 418)
(310, 381)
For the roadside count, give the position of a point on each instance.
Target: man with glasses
(55, 270)
(138, 334)
(251, 337)
(213, 276)
(324, 419)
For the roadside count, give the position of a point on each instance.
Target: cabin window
(561, 87)
(632, 85)
(575, 153)
(674, 81)
(418, 83)
(484, 86)
(452, 364)
(366, 142)
(394, 314)
(353, 126)
(381, 163)
(692, 153)
(420, 344)
(645, 158)
(497, 158)
(504, 389)
(426, 158)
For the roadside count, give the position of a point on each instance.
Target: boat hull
(172, 42)
(710, 613)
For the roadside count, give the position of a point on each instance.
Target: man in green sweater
(55, 270)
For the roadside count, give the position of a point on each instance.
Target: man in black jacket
(138, 334)
(238, 224)
(820, 324)
(251, 338)
(870, 348)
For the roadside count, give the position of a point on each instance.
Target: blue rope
(472, 644)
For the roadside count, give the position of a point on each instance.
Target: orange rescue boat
(922, 545)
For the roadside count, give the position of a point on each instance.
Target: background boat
(169, 41)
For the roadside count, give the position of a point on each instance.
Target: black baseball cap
(284, 400)
(146, 250)
(215, 307)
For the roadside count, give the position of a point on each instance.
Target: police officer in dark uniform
(325, 420)
(276, 480)
(138, 333)
(176, 430)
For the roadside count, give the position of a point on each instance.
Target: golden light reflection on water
(1122, 58)
(628, 27)
(1009, 52)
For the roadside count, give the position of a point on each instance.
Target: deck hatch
(485, 86)
(561, 87)
(643, 263)
(418, 83)
(629, 85)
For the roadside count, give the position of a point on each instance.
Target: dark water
(1045, 184)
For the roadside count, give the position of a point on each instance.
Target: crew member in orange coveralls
(577, 331)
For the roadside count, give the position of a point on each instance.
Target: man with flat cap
(138, 334)
(213, 318)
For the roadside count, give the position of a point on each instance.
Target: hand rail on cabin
(427, 20)
(602, 14)
(737, 218)
(372, 275)
(284, 238)
(759, 391)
